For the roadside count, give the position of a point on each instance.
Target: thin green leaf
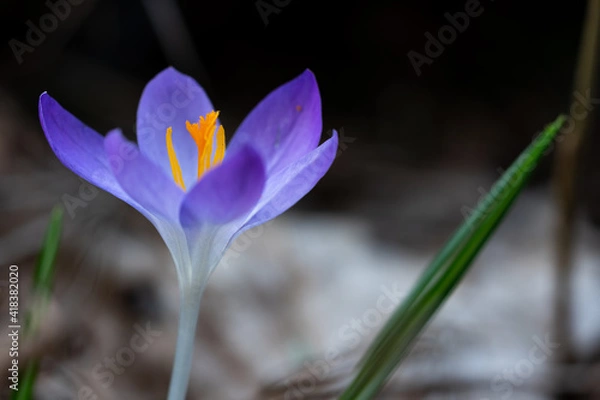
(42, 287)
(44, 271)
(444, 273)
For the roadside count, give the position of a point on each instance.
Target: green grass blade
(44, 271)
(42, 287)
(444, 273)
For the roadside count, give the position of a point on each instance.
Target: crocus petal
(281, 192)
(226, 192)
(78, 147)
(288, 186)
(286, 125)
(169, 100)
(141, 179)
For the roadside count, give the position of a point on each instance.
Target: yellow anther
(175, 168)
(220, 152)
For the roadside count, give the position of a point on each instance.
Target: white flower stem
(184, 350)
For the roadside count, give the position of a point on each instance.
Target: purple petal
(169, 100)
(288, 186)
(286, 125)
(226, 192)
(78, 147)
(141, 179)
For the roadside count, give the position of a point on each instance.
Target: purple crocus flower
(199, 195)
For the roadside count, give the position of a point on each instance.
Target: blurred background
(297, 301)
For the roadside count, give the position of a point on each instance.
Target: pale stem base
(184, 351)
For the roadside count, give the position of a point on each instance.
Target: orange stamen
(203, 133)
